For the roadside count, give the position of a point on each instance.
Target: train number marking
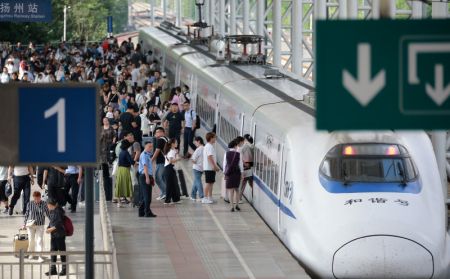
(376, 201)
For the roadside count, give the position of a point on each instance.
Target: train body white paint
(334, 227)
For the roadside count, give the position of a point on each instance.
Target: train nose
(383, 257)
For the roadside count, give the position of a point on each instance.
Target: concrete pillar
(352, 9)
(222, 17)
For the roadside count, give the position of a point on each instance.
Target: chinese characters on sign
(25, 11)
(378, 201)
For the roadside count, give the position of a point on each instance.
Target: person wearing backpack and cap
(57, 236)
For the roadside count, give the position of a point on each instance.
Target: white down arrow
(364, 88)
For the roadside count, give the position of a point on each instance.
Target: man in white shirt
(23, 179)
(190, 117)
(209, 166)
(4, 77)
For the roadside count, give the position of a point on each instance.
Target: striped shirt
(36, 212)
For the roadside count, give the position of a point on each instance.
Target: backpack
(68, 226)
(197, 120)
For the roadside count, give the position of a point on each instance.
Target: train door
(286, 193)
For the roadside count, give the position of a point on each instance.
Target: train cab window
(370, 163)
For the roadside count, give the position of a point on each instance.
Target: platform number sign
(58, 125)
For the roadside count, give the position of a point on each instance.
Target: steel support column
(164, 6)
(352, 9)
(276, 32)
(260, 7)
(207, 12)
(297, 37)
(416, 9)
(152, 11)
(178, 10)
(343, 9)
(232, 17)
(212, 12)
(222, 17)
(246, 17)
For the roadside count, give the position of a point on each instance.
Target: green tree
(86, 19)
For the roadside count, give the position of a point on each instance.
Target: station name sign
(26, 11)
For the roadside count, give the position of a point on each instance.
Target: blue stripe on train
(338, 187)
(272, 197)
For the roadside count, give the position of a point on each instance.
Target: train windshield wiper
(401, 172)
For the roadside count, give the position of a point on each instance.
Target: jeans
(72, 183)
(159, 177)
(145, 196)
(21, 183)
(197, 187)
(188, 138)
(36, 237)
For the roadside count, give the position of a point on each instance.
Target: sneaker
(204, 200)
(163, 197)
(159, 198)
(115, 201)
(193, 199)
(51, 272)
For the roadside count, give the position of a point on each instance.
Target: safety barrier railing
(17, 265)
(107, 233)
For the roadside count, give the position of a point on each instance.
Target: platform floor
(193, 240)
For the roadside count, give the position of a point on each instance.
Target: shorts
(210, 176)
(248, 179)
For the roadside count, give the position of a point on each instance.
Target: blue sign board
(110, 24)
(57, 125)
(26, 10)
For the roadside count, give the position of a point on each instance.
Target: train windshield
(370, 163)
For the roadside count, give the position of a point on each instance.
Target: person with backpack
(158, 158)
(190, 117)
(57, 232)
(232, 169)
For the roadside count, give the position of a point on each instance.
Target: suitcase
(136, 196)
(20, 241)
(182, 183)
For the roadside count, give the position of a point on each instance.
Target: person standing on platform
(73, 176)
(3, 182)
(174, 120)
(124, 185)
(146, 181)
(170, 151)
(247, 159)
(55, 184)
(197, 169)
(107, 140)
(57, 236)
(232, 169)
(189, 129)
(158, 158)
(23, 179)
(209, 166)
(34, 223)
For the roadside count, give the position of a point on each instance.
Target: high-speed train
(346, 204)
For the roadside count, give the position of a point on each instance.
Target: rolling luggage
(20, 241)
(182, 182)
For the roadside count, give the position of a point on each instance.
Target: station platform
(194, 240)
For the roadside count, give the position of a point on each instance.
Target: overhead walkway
(193, 240)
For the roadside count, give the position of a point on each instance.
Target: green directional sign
(384, 74)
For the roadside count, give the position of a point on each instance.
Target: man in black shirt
(158, 158)
(175, 121)
(58, 236)
(128, 120)
(55, 183)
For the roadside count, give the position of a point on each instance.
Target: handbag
(115, 167)
(134, 179)
(8, 189)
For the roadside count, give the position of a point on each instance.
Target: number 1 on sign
(59, 108)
